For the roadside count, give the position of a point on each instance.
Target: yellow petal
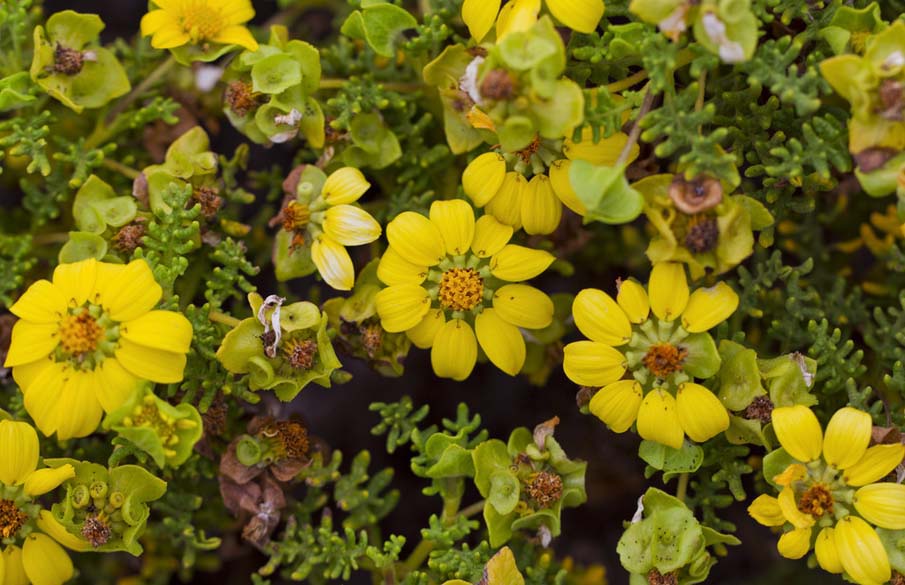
(45, 480)
(701, 413)
(846, 438)
(791, 474)
(490, 236)
(523, 306)
(76, 281)
(78, 410)
(877, 462)
(882, 504)
(617, 404)
(31, 342)
(164, 367)
(604, 152)
(658, 420)
(798, 431)
(541, 210)
(580, 15)
(18, 451)
(416, 239)
(114, 384)
(15, 572)
(455, 350)
(483, 176)
(344, 185)
(45, 561)
(394, 269)
(600, 318)
(794, 544)
(765, 509)
(501, 341)
(825, 549)
(236, 35)
(479, 16)
(708, 307)
(516, 16)
(50, 526)
(155, 20)
(424, 333)
(129, 291)
(517, 263)
(41, 303)
(402, 306)
(169, 37)
(350, 225)
(333, 262)
(588, 363)
(668, 290)
(42, 397)
(26, 374)
(633, 299)
(789, 507)
(506, 206)
(455, 220)
(166, 330)
(237, 11)
(861, 552)
(562, 186)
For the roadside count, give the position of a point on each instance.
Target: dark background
(340, 415)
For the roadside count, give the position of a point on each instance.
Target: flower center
(663, 359)
(545, 488)
(96, 530)
(11, 518)
(461, 289)
(703, 234)
(295, 216)
(80, 334)
(300, 353)
(147, 415)
(816, 501)
(67, 61)
(290, 438)
(200, 20)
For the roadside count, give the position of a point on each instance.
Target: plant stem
(626, 83)
(218, 317)
(473, 509)
(142, 87)
(682, 488)
(121, 168)
(339, 83)
(635, 133)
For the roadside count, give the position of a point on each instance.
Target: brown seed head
(240, 98)
(816, 501)
(300, 353)
(703, 234)
(371, 338)
(96, 531)
(761, 408)
(11, 518)
(656, 578)
(208, 199)
(695, 196)
(545, 488)
(498, 85)
(129, 236)
(67, 61)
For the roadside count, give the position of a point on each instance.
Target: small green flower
(527, 483)
(166, 432)
(280, 348)
(850, 28)
(96, 208)
(107, 509)
(69, 65)
(188, 161)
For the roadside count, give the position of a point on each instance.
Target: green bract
(302, 353)
(188, 161)
(95, 209)
(69, 66)
(269, 91)
(107, 508)
(668, 539)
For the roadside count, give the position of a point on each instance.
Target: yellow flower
(536, 204)
(665, 352)
(83, 342)
(480, 15)
(447, 280)
(834, 491)
(180, 22)
(30, 556)
(328, 221)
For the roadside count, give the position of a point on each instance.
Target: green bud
(248, 451)
(98, 490)
(80, 496)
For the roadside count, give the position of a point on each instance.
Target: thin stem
(121, 168)
(702, 86)
(626, 83)
(473, 509)
(218, 317)
(339, 83)
(417, 557)
(646, 104)
(141, 88)
(682, 488)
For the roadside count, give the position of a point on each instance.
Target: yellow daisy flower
(323, 219)
(831, 494)
(447, 281)
(83, 342)
(536, 204)
(30, 555)
(665, 352)
(180, 22)
(480, 15)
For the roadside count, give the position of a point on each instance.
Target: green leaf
(671, 461)
(894, 543)
(605, 192)
(275, 74)
(703, 360)
(739, 377)
(381, 24)
(81, 246)
(72, 29)
(504, 491)
(775, 463)
(559, 114)
(489, 457)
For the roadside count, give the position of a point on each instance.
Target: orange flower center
(11, 518)
(295, 216)
(461, 289)
(80, 334)
(201, 20)
(816, 501)
(300, 353)
(663, 359)
(290, 438)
